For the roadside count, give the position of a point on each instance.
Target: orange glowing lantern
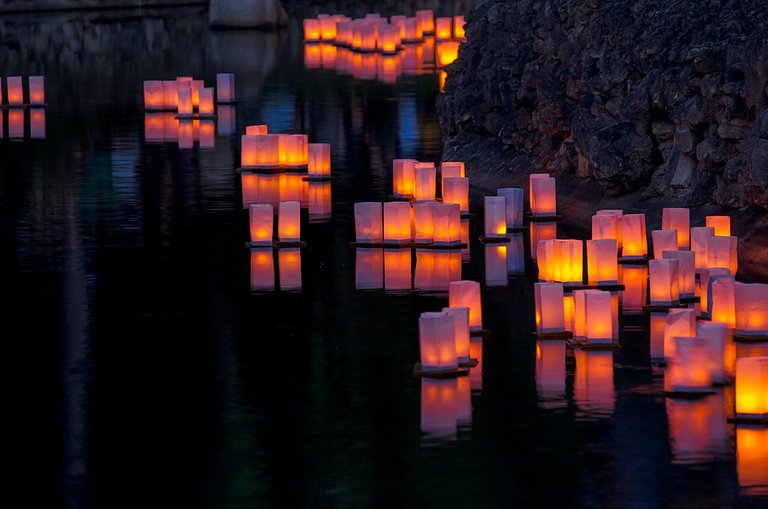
(495, 216)
(397, 222)
(403, 177)
(688, 370)
(16, 124)
(686, 271)
(752, 388)
(602, 267)
(451, 169)
(319, 159)
(262, 217)
(443, 29)
(312, 31)
(458, 28)
(542, 195)
(262, 270)
(495, 265)
(225, 88)
(153, 95)
(289, 221)
(260, 151)
(369, 269)
(426, 20)
(633, 237)
(456, 190)
(389, 39)
(635, 281)
(607, 226)
(722, 301)
(425, 181)
(446, 224)
(568, 262)
(170, 94)
(328, 28)
(663, 240)
(715, 335)
(699, 239)
(550, 311)
(545, 259)
(195, 86)
(514, 204)
(207, 134)
(708, 276)
(36, 90)
(678, 323)
(436, 342)
(541, 232)
(550, 374)
(751, 309)
(569, 310)
(721, 224)
(752, 460)
(679, 220)
(422, 222)
(664, 282)
(293, 150)
(413, 32)
(205, 106)
(368, 222)
(598, 317)
(467, 294)
(289, 268)
(460, 316)
(447, 53)
(593, 389)
(15, 91)
(721, 253)
(184, 106)
(256, 129)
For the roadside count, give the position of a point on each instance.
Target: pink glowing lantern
(260, 151)
(426, 175)
(679, 220)
(289, 221)
(446, 224)
(458, 28)
(443, 28)
(422, 222)
(225, 88)
(170, 94)
(699, 238)
(602, 266)
(153, 95)
(708, 276)
(436, 342)
(514, 198)
(460, 317)
(368, 222)
(542, 194)
(403, 177)
(15, 90)
(663, 240)
(413, 32)
(36, 90)
(688, 371)
(495, 216)
(722, 301)
(262, 217)
(205, 106)
(397, 222)
(751, 309)
(550, 311)
(686, 271)
(678, 323)
(467, 294)
(426, 20)
(635, 281)
(184, 106)
(606, 226)
(715, 335)
(456, 190)
(633, 237)
(312, 31)
(721, 253)
(721, 224)
(598, 317)
(319, 160)
(664, 282)
(752, 389)
(450, 169)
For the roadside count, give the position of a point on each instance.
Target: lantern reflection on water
(262, 217)
(319, 201)
(751, 309)
(447, 53)
(369, 269)
(550, 313)
(368, 222)
(16, 124)
(186, 134)
(446, 224)
(397, 269)
(514, 203)
(495, 265)
(15, 91)
(550, 374)
(663, 240)
(721, 253)
(752, 460)
(36, 124)
(446, 407)
(699, 238)
(288, 221)
(678, 323)
(697, 429)
(262, 270)
(720, 224)
(435, 269)
(686, 270)
(289, 268)
(664, 282)
(542, 194)
(752, 389)
(593, 383)
(36, 90)
(467, 294)
(456, 190)
(633, 237)
(678, 220)
(516, 254)
(541, 232)
(225, 88)
(635, 281)
(602, 266)
(476, 372)
(397, 222)
(313, 56)
(688, 370)
(225, 125)
(656, 329)
(184, 105)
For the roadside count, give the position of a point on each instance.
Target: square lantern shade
(635, 281)
(450, 169)
(722, 301)
(397, 222)
(289, 268)
(293, 150)
(663, 240)
(36, 90)
(15, 91)
(550, 311)
(708, 276)
(443, 28)
(225, 88)
(312, 31)
(467, 294)
(602, 265)
(546, 260)
(721, 225)
(389, 37)
(262, 270)
(446, 223)
(606, 226)
(422, 222)
(688, 370)
(678, 323)
(413, 32)
(679, 220)
(495, 216)
(327, 28)
(260, 151)
(403, 177)
(752, 309)
(752, 388)
(184, 106)
(460, 317)
(436, 341)
(257, 129)
(721, 253)
(699, 239)
(153, 95)
(550, 374)
(664, 277)
(170, 94)
(458, 28)
(425, 174)
(397, 269)
(426, 19)
(634, 244)
(540, 232)
(686, 272)
(456, 190)
(567, 264)
(262, 217)
(368, 222)
(369, 269)
(752, 460)
(598, 317)
(715, 335)
(205, 107)
(515, 203)
(289, 221)
(319, 159)
(542, 192)
(195, 86)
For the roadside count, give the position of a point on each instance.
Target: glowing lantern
(443, 29)
(369, 269)
(495, 216)
(413, 32)
(707, 277)
(721, 225)
(447, 53)
(397, 222)
(225, 88)
(170, 94)
(319, 159)
(678, 323)
(593, 389)
(153, 95)
(262, 270)
(664, 282)
(606, 226)
(289, 268)
(715, 336)
(721, 253)
(289, 221)
(495, 265)
(205, 106)
(425, 181)
(679, 220)
(15, 91)
(663, 240)
(36, 124)
(293, 150)
(261, 151)
(368, 222)
(185, 108)
(722, 301)
(550, 374)
(456, 190)
(451, 169)
(635, 281)
(688, 370)
(226, 120)
(262, 217)
(598, 321)
(467, 294)
(699, 239)
(633, 238)
(311, 30)
(390, 36)
(602, 267)
(328, 28)
(545, 259)
(195, 86)
(752, 388)
(514, 198)
(403, 177)
(426, 20)
(458, 28)
(542, 195)
(422, 222)
(446, 224)
(686, 270)
(752, 460)
(751, 309)
(436, 341)
(460, 316)
(319, 201)
(550, 311)
(568, 264)
(541, 232)
(16, 123)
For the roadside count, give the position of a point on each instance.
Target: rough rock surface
(655, 103)
(247, 13)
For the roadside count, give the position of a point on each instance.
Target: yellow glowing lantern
(607, 226)
(425, 181)
(422, 222)
(679, 220)
(721, 224)
(569, 311)
(446, 224)
(36, 90)
(397, 269)
(715, 335)
(293, 150)
(289, 268)
(495, 216)
(722, 301)
(397, 222)
(153, 95)
(170, 94)
(752, 388)
(389, 39)
(368, 222)
(262, 270)
(443, 28)
(451, 169)
(456, 190)
(447, 53)
(678, 323)
(598, 317)
(369, 269)
(195, 86)
(15, 91)
(542, 194)
(467, 294)
(663, 240)
(495, 265)
(311, 30)
(541, 232)
(262, 217)
(413, 32)
(319, 159)
(550, 311)
(664, 282)
(602, 266)
(460, 316)
(184, 106)
(205, 107)
(635, 281)
(699, 239)
(721, 253)
(686, 271)
(752, 460)
(207, 134)
(688, 370)
(593, 387)
(568, 262)
(426, 20)
(633, 237)
(289, 221)
(225, 88)
(36, 124)
(458, 28)
(751, 309)
(514, 205)
(550, 373)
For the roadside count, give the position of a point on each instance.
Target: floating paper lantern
(721, 253)
(36, 90)
(495, 216)
(450, 169)
(715, 335)
(678, 323)
(262, 270)
(602, 266)
(426, 20)
(514, 201)
(403, 177)
(225, 88)
(722, 301)
(460, 316)
(550, 312)
(369, 269)
(467, 294)
(598, 315)
(289, 221)
(36, 124)
(184, 106)
(205, 106)
(664, 282)
(568, 261)
(606, 226)
(15, 91)
(495, 265)
(443, 28)
(413, 32)
(721, 225)
(752, 460)
(751, 309)
(456, 190)
(289, 268)
(262, 217)
(635, 281)
(569, 311)
(707, 277)
(550, 374)
(752, 388)
(389, 39)
(424, 188)
(593, 387)
(328, 28)
(458, 28)
(541, 232)
(447, 53)
(546, 260)
(261, 151)
(153, 95)
(542, 193)
(446, 224)
(312, 31)
(397, 222)
(319, 159)
(688, 370)
(293, 150)
(436, 341)
(679, 220)
(699, 239)
(422, 222)
(195, 86)
(663, 240)
(170, 94)
(368, 222)
(686, 270)
(633, 237)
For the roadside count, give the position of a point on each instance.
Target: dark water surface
(140, 369)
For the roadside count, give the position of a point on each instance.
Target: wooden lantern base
(650, 308)
(750, 338)
(543, 219)
(30, 105)
(495, 240)
(583, 344)
(196, 116)
(690, 300)
(317, 178)
(471, 363)
(607, 288)
(257, 245)
(439, 373)
(517, 229)
(690, 394)
(633, 261)
(757, 421)
(263, 170)
(281, 244)
(552, 335)
(480, 333)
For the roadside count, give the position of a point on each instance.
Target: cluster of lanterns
(20, 105)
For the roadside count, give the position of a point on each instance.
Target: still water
(150, 357)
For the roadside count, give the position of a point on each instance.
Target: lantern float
(715, 335)
(422, 222)
(289, 222)
(436, 343)
(205, 107)
(663, 240)
(721, 253)
(686, 271)
(495, 218)
(319, 160)
(633, 237)
(456, 190)
(262, 217)
(368, 222)
(425, 174)
(751, 310)
(721, 225)
(460, 316)
(225, 88)
(550, 311)
(664, 282)
(602, 267)
(752, 389)
(542, 193)
(699, 238)
(403, 177)
(514, 198)
(15, 91)
(397, 222)
(678, 220)
(722, 301)
(446, 224)
(678, 323)
(688, 371)
(369, 269)
(153, 95)
(467, 294)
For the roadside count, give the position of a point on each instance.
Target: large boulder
(247, 14)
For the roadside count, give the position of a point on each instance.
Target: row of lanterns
(186, 94)
(14, 86)
(260, 150)
(280, 187)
